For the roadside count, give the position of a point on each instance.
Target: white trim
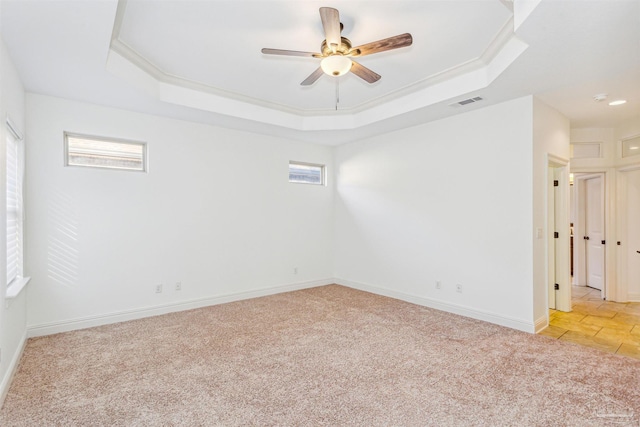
(628, 168)
(123, 316)
(14, 289)
(614, 291)
(13, 129)
(541, 324)
(634, 296)
(12, 369)
(469, 76)
(483, 315)
(557, 160)
(560, 269)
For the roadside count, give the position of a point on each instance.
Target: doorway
(558, 234)
(594, 232)
(589, 231)
(629, 236)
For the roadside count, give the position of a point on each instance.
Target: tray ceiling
(201, 60)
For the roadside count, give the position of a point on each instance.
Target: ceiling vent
(466, 101)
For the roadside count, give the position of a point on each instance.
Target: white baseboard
(633, 296)
(444, 306)
(541, 324)
(12, 369)
(122, 316)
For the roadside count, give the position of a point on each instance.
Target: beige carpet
(323, 356)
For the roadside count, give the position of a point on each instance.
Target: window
(631, 147)
(110, 153)
(14, 205)
(306, 173)
(586, 150)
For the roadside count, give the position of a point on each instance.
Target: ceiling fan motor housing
(343, 49)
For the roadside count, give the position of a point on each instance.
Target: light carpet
(323, 356)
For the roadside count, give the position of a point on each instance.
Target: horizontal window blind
(101, 152)
(14, 214)
(306, 173)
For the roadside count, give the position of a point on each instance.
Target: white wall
(12, 312)
(551, 135)
(215, 212)
(627, 129)
(447, 201)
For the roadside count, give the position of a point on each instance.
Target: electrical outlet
(438, 284)
(459, 288)
(178, 286)
(159, 288)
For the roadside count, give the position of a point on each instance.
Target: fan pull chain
(337, 92)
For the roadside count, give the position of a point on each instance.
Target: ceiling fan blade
(364, 73)
(313, 77)
(284, 52)
(331, 24)
(395, 42)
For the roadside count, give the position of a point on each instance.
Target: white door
(631, 242)
(594, 232)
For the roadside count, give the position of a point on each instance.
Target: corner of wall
(13, 313)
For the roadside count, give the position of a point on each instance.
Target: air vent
(466, 101)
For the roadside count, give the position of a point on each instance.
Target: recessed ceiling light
(634, 148)
(618, 102)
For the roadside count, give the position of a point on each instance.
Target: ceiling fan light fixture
(336, 65)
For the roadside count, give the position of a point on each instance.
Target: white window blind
(14, 209)
(110, 153)
(306, 173)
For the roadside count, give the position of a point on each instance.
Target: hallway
(609, 326)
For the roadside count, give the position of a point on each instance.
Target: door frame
(558, 259)
(580, 225)
(610, 266)
(623, 291)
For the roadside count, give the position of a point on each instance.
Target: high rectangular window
(631, 147)
(306, 173)
(586, 150)
(110, 153)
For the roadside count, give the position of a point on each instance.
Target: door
(594, 232)
(557, 221)
(551, 225)
(631, 243)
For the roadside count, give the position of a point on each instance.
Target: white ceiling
(201, 60)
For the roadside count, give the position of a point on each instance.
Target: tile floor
(609, 326)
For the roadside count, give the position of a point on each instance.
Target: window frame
(627, 146)
(323, 173)
(17, 282)
(145, 151)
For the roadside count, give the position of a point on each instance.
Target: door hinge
(602, 241)
(555, 183)
(556, 287)
(556, 234)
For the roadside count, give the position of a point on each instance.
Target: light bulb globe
(336, 65)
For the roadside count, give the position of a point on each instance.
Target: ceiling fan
(337, 52)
